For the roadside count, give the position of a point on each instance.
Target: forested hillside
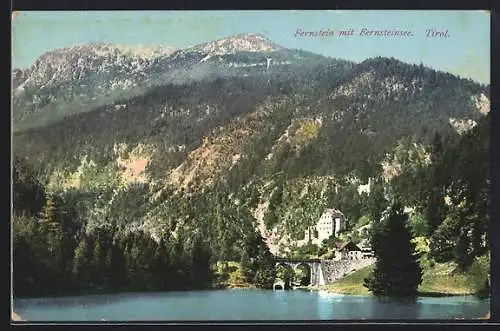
(232, 166)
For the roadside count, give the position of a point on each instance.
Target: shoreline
(232, 287)
(420, 294)
(323, 288)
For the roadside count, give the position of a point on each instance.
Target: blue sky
(466, 52)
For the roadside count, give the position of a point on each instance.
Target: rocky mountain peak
(76, 61)
(247, 42)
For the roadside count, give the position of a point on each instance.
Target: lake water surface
(242, 304)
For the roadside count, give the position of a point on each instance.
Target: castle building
(331, 222)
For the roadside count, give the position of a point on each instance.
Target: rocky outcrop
(78, 62)
(247, 42)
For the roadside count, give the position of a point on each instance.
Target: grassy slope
(230, 276)
(351, 284)
(440, 280)
(437, 280)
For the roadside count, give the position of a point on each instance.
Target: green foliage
(302, 275)
(352, 283)
(361, 231)
(257, 263)
(129, 204)
(55, 255)
(302, 206)
(362, 221)
(81, 262)
(418, 224)
(307, 131)
(437, 280)
(353, 138)
(435, 210)
(345, 197)
(310, 207)
(355, 237)
(271, 218)
(286, 274)
(377, 202)
(326, 245)
(304, 252)
(452, 199)
(25, 255)
(28, 193)
(441, 246)
(228, 274)
(355, 135)
(481, 275)
(397, 271)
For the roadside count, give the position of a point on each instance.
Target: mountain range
(78, 78)
(238, 112)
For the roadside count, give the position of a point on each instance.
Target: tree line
(453, 196)
(56, 251)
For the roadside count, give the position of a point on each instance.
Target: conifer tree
(257, 263)
(28, 195)
(48, 214)
(271, 216)
(397, 272)
(376, 201)
(246, 266)
(81, 262)
(97, 261)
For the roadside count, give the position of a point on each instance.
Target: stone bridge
(316, 275)
(324, 272)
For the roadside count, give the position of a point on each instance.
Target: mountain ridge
(78, 78)
(319, 103)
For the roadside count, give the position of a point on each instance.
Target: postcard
(320, 165)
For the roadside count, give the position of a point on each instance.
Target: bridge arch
(285, 273)
(279, 285)
(311, 266)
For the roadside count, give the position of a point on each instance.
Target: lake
(242, 304)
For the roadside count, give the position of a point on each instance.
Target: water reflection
(395, 308)
(243, 305)
(107, 299)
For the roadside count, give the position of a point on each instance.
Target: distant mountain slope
(226, 123)
(76, 79)
(353, 114)
(69, 80)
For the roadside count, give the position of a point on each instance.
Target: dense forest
(182, 115)
(55, 253)
(149, 192)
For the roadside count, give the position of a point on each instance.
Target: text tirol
(436, 33)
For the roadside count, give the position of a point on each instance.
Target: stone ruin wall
(336, 270)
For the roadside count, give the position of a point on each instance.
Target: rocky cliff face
(78, 62)
(250, 42)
